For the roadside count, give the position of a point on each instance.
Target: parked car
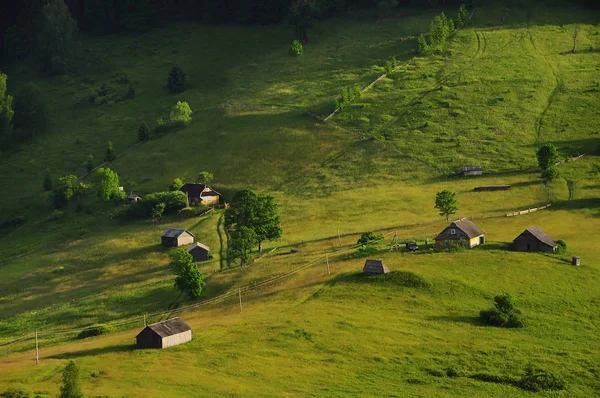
(412, 247)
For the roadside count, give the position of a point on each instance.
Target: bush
(143, 132)
(390, 66)
(16, 393)
(187, 212)
(539, 380)
(110, 153)
(348, 96)
(562, 247)
(157, 211)
(95, 330)
(440, 30)
(181, 112)
(173, 201)
(463, 17)
(364, 251)
(296, 49)
(176, 185)
(176, 80)
(550, 174)
(369, 237)
(504, 314)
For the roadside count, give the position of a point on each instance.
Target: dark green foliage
(369, 237)
(57, 34)
(390, 66)
(47, 182)
(503, 314)
(296, 49)
(66, 188)
(302, 17)
(187, 212)
(348, 96)
(256, 212)
(364, 251)
(189, 279)
(176, 80)
(205, 177)
(109, 184)
(241, 241)
(157, 211)
(550, 174)
(440, 30)
(176, 185)
(173, 202)
(446, 202)
(539, 380)
(70, 382)
(16, 393)
(143, 132)
(110, 153)
(6, 111)
(89, 166)
(547, 156)
(463, 17)
(562, 247)
(31, 115)
(96, 330)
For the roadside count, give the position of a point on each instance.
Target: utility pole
(327, 259)
(240, 294)
(37, 351)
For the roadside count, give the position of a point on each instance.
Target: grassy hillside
(498, 92)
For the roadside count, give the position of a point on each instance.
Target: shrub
(110, 153)
(157, 211)
(187, 212)
(89, 166)
(364, 251)
(95, 330)
(109, 184)
(440, 30)
(539, 380)
(176, 80)
(173, 202)
(181, 112)
(562, 247)
(369, 237)
(550, 174)
(296, 49)
(504, 313)
(143, 132)
(348, 96)
(463, 17)
(176, 185)
(16, 393)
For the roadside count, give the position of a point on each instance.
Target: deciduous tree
(70, 382)
(109, 184)
(57, 37)
(241, 242)
(445, 201)
(547, 156)
(176, 80)
(189, 279)
(181, 113)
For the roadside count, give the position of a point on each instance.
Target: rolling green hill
(491, 99)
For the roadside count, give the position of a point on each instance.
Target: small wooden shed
(375, 267)
(164, 334)
(134, 198)
(472, 171)
(175, 237)
(199, 252)
(200, 194)
(534, 239)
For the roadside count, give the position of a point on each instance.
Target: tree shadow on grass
(95, 351)
(471, 320)
(577, 204)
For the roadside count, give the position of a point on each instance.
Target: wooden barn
(472, 171)
(134, 198)
(175, 237)
(199, 252)
(164, 334)
(375, 267)
(460, 232)
(534, 240)
(200, 194)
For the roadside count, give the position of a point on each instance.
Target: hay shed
(199, 252)
(375, 267)
(164, 334)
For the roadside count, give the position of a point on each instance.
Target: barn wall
(185, 239)
(209, 200)
(200, 255)
(177, 339)
(535, 245)
(148, 339)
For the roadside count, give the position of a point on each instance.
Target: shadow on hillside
(95, 351)
(471, 320)
(591, 147)
(577, 204)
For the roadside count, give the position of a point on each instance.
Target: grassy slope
(324, 178)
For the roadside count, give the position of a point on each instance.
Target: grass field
(498, 92)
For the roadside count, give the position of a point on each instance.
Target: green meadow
(495, 95)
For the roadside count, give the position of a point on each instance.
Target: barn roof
(134, 196)
(540, 235)
(472, 168)
(169, 328)
(375, 267)
(174, 232)
(465, 225)
(196, 245)
(196, 189)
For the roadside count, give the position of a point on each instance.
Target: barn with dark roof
(164, 334)
(199, 252)
(534, 239)
(461, 232)
(200, 194)
(175, 237)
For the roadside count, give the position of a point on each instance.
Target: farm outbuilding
(375, 267)
(472, 171)
(461, 232)
(199, 252)
(175, 237)
(134, 198)
(200, 194)
(164, 334)
(534, 239)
